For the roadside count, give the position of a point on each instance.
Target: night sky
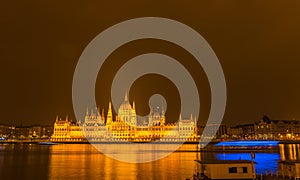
(257, 43)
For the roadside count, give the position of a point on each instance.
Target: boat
(47, 143)
(224, 169)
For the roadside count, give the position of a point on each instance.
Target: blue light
(248, 143)
(266, 162)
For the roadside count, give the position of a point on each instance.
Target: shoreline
(126, 142)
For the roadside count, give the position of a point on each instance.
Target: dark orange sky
(257, 43)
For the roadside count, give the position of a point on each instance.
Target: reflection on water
(137, 152)
(289, 151)
(23, 162)
(83, 161)
(266, 162)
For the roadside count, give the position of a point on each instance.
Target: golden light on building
(125, 126)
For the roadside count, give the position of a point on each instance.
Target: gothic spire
(109, 113)
(162, 110)
(126, 97)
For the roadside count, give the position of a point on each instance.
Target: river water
(83, 161)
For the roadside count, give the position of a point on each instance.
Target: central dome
(125, 105)
(127, 112)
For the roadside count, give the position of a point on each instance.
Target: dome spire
(126, 96)
(87, 111)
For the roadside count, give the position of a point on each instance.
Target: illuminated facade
(25, 132)
(125, 126)
(66, 130)
(277, 129)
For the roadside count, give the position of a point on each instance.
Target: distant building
(65, 130)
(35, 132)
(220, 129)
(248, 131)
(47, 131)
(236, 132)
(245, 131)
(289, 169)
(38, 132)
(21, 132)
(277, 129)
(125, 126)
(6, 131)
(25, 132)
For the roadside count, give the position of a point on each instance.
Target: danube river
(83, 161)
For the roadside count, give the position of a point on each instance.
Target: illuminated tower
(163, 118)
(93, 117)
(99, 117)
(133, 114)
(157, 117)
(86, 118)
(102, 116)
(109, 118)
(126, 113)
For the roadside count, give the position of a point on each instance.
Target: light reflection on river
(86, 162)
(83, 161)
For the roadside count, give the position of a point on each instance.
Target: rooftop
(290, 161)
(223, 161)
(267, 120)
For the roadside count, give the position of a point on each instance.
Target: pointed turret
(87, 116)
(92, 111)
(150, 123)
(102, 115)
(163, 118)
(195, 126)
(109, 114)
(98, 111)
(126, 97)
(133, 115)
(87, 111)
(99, 115)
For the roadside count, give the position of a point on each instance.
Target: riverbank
(154, 142)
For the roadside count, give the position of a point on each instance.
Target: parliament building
(124, 127)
